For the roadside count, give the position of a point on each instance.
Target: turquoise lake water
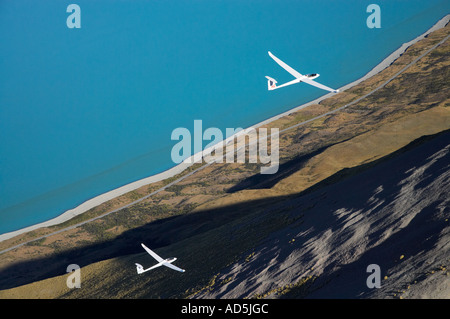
(84, 111)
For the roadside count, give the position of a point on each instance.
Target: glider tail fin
(271, 83)
(139, 268)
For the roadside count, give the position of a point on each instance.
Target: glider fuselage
(312, 76)
(170, 260)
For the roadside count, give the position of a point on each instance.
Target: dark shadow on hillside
(420, 240)
(166, 231)
(369, 203)
(260, 181)
(157, 234)
(420, 236)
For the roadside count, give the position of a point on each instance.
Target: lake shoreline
(100, 199)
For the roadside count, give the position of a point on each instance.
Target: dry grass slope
(221, 213)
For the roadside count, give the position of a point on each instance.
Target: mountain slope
(310, 230)
(394, 214)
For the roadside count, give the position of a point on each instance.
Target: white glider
(161, 262)
(272, 83)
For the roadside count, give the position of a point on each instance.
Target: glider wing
(285, 66)
(152, 253)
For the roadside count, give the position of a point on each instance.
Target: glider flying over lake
(161, 262)
(272, 83)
